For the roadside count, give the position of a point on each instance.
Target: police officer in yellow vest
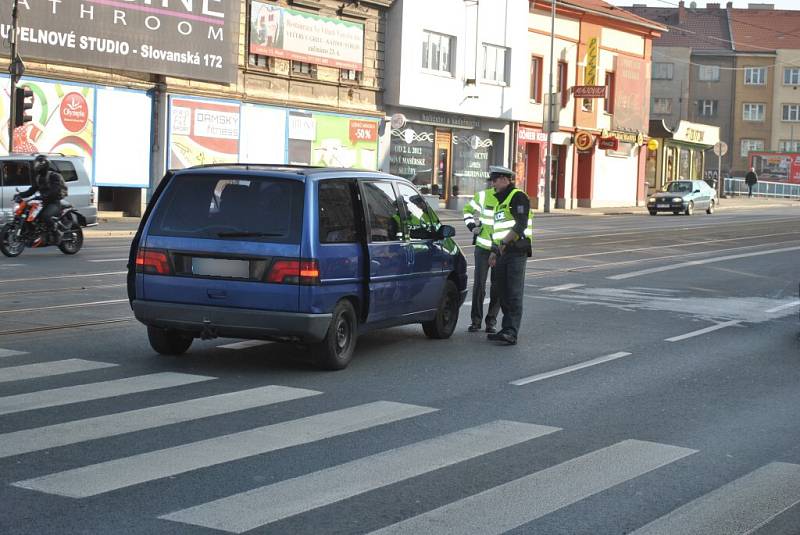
(512, 236)
(479, 218)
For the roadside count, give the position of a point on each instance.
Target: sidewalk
(125, 227)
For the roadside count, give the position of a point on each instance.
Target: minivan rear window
(232, 207)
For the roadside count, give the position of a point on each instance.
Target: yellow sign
(590, 72)
(584, 140)
(652, 144)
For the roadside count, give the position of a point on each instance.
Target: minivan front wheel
(168, 341)
(443, 325)
(336, 351)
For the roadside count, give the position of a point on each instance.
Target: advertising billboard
(631, 95)
(329, 140)
(776, 166)
(202, 132)
(196, 40)
(290, 34)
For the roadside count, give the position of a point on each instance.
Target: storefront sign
(589, 91)
(652, 145)
(634, 138)
(363, 131)
(590, 71)
(608, 143)
(529, 135)
(296, 35)
(451, 120)
(697, 133)
(584, 141)
(196, 40)
(203, 132)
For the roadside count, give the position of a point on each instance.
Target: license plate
(662, 206)
(221, 267)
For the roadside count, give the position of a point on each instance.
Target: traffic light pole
(12, 69)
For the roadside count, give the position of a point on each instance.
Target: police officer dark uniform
(512, 237)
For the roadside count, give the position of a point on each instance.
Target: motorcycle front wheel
(72, 241)
(11, 242)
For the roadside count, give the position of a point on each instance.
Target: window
(436, 51)
(749, 145)
(791, 76)
(16, 174)
(337, 212)
(753, 112)
(349, 75)
(791, 113)
(421, 221)
(495, 63)
(536, 79)
(563, 83)
(755, 76)
(662, 71)
(384, 216)
(707, 108)
(662, 106)
(304, 69)
(608, 102)
(708, 73)
(265, 62)
(789, 145)
(66, 169)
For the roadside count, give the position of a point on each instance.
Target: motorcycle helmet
(41, 164)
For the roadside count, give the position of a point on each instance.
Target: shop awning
(705, 135)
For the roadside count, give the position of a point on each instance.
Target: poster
(203, 132)
(63, 120)
(411, 153)
(300, 36)
(124, 126)
(631, 95)
(776, 166)
(195, 40)
(329, 140)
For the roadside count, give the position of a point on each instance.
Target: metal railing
(737, 186)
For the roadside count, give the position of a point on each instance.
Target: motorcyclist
(50, 186)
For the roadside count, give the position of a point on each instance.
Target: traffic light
(23, 102)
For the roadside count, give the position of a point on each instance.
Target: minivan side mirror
(447, 231)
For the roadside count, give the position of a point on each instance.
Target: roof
(703, 29)
(284, 170)
(762, 30)
(604, 8)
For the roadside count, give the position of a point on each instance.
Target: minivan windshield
(231, 207)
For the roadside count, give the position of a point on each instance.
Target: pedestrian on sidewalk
(479, 218)
(512, 246)
(751, 179)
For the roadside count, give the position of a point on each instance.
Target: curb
(109, 233)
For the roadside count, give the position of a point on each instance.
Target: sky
(742, 4)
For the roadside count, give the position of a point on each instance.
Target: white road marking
(562, 287)
(46, 369)
(12, 265)
(11, 353)
(261, 506)
(128, 471)
(71, 305)
(681, 265)
(569, 369)
(57, 397)
(783, 307)
(738, 508)
(111, 260)
(53, 436)
(702, 331)
(244, 345)
(76, 276)
(514, 504)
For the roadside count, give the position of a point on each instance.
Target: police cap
(498, 171)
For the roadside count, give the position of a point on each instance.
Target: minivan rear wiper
(243, 234)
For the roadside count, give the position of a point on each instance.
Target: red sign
(74, 112)
(589, 91)
(529, 135)
(776, 166)
(363, 131)
(608, 143)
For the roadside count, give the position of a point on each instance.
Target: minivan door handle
(217, 294)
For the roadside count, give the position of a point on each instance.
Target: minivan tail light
(154, 261)
(287, 271)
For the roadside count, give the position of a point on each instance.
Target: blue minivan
(299, 254)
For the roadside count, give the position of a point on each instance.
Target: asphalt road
(654, 391)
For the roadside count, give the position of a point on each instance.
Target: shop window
(755, 76)
(495, 63)
(536, 79)
(384, 213)
(671, 167)
(436, 49)
(791, 113)
(411, 154)
(473, 152)
(684, 162)
(791, 76)
(708, 73)
(697, 164)
(662, 71)
(563, 83)
(753, 112)
(301, 68)
(337, 212)
(608, 102)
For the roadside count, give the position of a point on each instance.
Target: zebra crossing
(741, 506)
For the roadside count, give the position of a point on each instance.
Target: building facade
(136, 91)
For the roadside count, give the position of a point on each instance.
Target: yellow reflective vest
(480, 210)
(504, 220)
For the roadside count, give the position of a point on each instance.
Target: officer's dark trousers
(479, 291)
(508, 276)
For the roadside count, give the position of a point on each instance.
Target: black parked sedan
(683, 197)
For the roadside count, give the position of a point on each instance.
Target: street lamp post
(550, 110)
(15, 69)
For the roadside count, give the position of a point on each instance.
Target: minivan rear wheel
(443, 325)
(336, 351)
(169, 341)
